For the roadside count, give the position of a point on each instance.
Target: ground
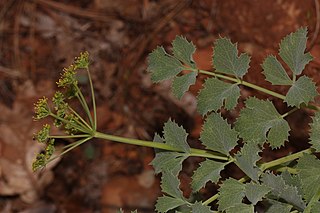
(39, 38)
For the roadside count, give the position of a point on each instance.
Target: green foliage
(208, 171)
(314, 132)
(309, 173)
(274, 72)
(259, 118)
(217, 134)
(282, 190)
(292, 49)
(246, 160)
(175, 136)
(164, 66)
(217, 93)
(302, 91)
(226, 59)
(289, 183)
(231, 194)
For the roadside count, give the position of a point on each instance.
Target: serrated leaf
(176, 136)
(315, 207)
(217, 134)
(277, 207)
(302, 91)
(226, 60)
(168, 162)
(259, 117)
(162, 66)
(166, 203)
(315, 132)
(182, 83)
(217, 93)
(292, 180)
(292, 49)
(208, 171)
(170, 185)
(231, 194)
(241, 208)
(183, 50)
(255, 192)
(246, 160)
(198, 207)
(274, 72)
(309, 172)
(281, 190)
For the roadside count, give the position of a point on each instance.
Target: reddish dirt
(39, 38)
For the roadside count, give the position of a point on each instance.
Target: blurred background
(40, 37)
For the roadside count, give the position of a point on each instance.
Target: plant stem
(80, 128)
(288, 113)
(84, 104)
(93, 101)
(285, 159)
(73, 145)
(244, 83)
(193, 151)
(80, 118)
(69, 136)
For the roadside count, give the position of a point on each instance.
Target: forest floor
(40, 37)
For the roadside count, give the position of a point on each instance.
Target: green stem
(244, 83)
(69, 136)
(74, 145)
(313, 200)
(84, 104)
(80, 118)
(80, 128)
(289, 169)
(193, 151)
(285, 159)
(93, 101)
(288, 113)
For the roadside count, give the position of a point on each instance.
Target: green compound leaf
(168, 162)
(217, 134)
(198, 207)
(231, 194)
(274, 72)
(246, 160)
(176, 136)
(208, 171)
(166, 203)
(170, 185)
(255, 192)
(292, 49)
(315, 132)
(309, 172)
(302, 91)
(216, 93)
(241, 208)
(281, 190)
(182, 83)
(162, 66)
(292, 180)
(226, 60)
(277, 207)
(259, 117)
(315, 207)
(183, 50)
